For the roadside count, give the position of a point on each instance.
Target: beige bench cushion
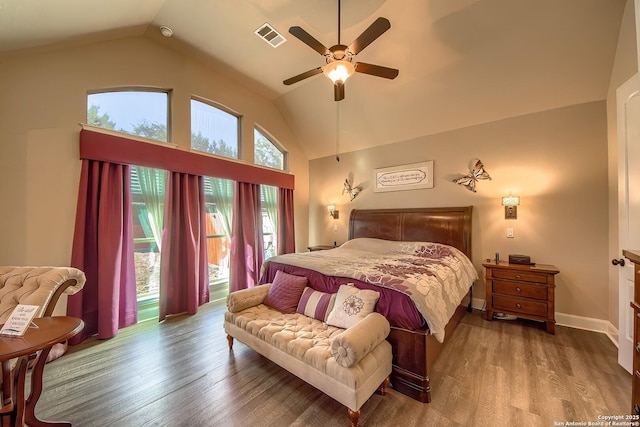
(308, 340)
(305, 338)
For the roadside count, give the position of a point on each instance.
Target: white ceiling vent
(269, 34)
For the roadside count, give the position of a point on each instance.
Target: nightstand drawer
(520, 290)
(519, 305)
(525, 276)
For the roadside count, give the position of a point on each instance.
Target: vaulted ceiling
(461, 62)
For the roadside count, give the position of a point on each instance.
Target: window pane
(269, 202)
(147, 195)
(214, 130)
(265, 152)
(134, 112)
(218, 194)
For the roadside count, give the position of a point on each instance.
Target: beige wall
(556, 161)
(44, 99)
(624, 66)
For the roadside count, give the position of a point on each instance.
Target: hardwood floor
(181, 373)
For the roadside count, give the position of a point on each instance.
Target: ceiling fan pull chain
(338, 21)
(337, 131)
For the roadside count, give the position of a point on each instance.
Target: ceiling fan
(339, 58)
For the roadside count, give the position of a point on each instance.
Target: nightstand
(525, 291)
(319, 248)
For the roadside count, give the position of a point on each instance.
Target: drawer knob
(518, 289)
(517, 276)
(518, 305)
(638, 346)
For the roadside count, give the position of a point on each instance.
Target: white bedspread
(435, 276)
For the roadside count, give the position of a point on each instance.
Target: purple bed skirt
(397, 307)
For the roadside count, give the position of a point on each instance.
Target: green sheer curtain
(222, 195)
(152, 184)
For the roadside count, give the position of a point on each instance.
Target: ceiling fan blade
(309, 40)
(302, 76)
(338, 91)
(374, 31)
(376, 70)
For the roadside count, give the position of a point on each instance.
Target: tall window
(214, 130)
(147, 196)
(142, 113)
(218, 196)
(136, 112)
(269, 202)
(266, 153)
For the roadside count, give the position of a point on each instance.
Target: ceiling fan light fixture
(338, 71)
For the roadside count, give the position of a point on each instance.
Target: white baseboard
(573, 321)
(589, 324)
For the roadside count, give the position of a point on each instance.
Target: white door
(628, 103)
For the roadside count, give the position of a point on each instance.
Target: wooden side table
(526, 291)
(35, 344)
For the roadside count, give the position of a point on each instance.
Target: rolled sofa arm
(245, 298)
(350, 346)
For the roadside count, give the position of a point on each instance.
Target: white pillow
(352, 305)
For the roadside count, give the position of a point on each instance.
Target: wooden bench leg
(384, 385)
(354, 416)
(230, 341)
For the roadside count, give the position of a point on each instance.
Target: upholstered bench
(348, 364)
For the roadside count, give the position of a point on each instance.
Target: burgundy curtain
(184, 272)
(247, 247)
(286, 232)
(103, 249)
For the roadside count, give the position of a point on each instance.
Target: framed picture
(415, 176)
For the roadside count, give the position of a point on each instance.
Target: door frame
(627, 91)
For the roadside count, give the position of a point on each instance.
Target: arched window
(137, 112)
(266, 152)
(214, 130)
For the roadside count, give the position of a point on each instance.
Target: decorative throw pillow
(352, 304)
(316, 304)
(285, 292)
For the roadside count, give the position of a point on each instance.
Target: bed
(415, 347)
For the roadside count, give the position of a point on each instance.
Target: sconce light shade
(510, 204)
(511, 201)
(333, 212)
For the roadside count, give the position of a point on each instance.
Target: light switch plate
(510, 233)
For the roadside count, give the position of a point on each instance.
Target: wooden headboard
(451, 226)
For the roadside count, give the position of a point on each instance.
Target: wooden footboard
(414, 353)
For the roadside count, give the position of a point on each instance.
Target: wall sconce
(510, 204)
(333, 212)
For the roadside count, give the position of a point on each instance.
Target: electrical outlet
(510, 233)
(335, 227)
